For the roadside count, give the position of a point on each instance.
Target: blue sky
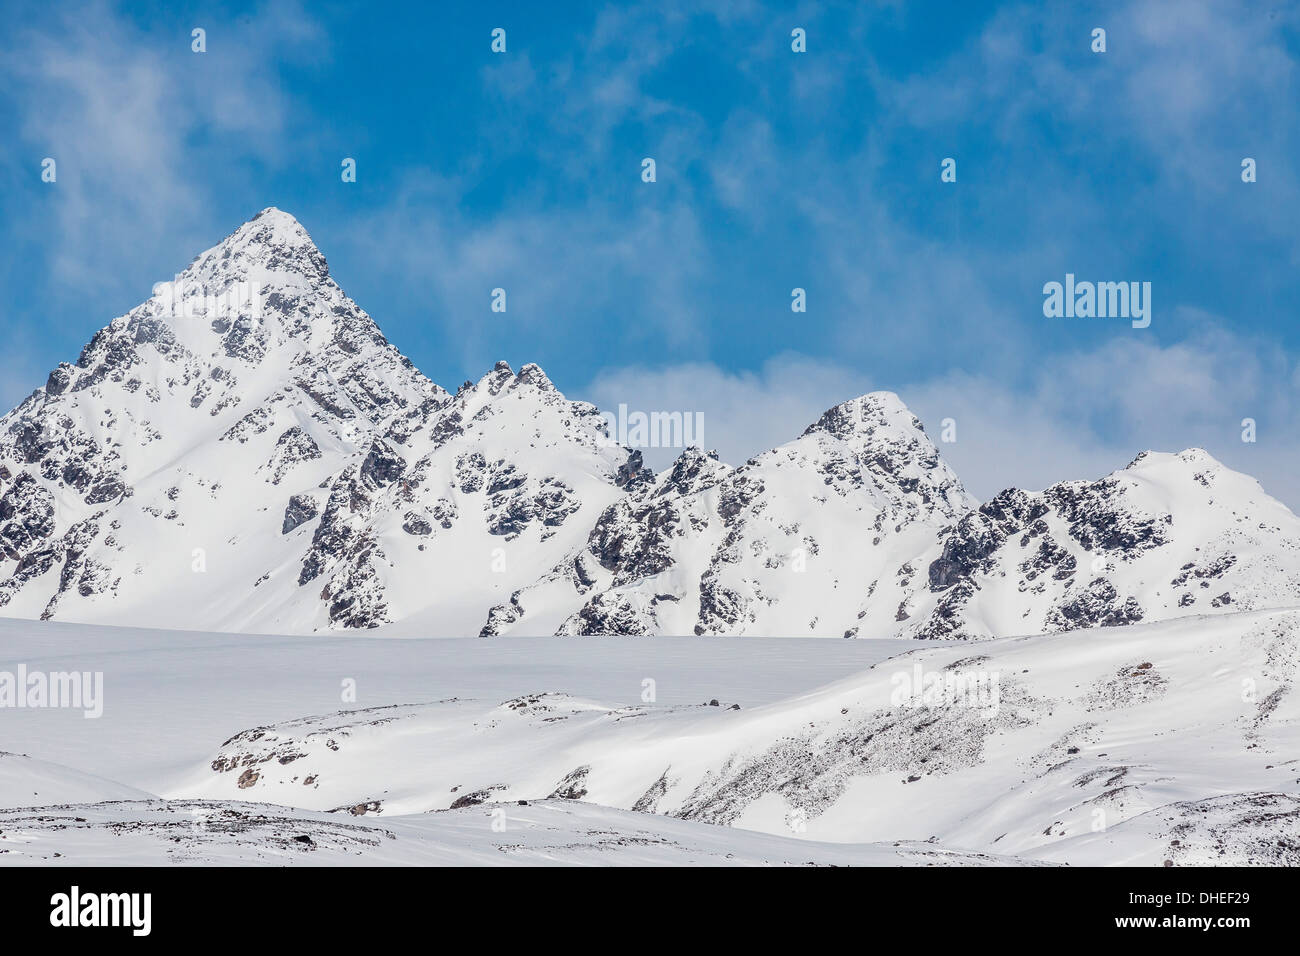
(775, 170)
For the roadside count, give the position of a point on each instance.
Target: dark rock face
(252, 424)
(28, 535)
(383, 465)
(610, 613)
(292, 448)
(979, 534)
(449, 426)
(632, 475)
(29, 441)
(300, 510)
(573, 786)
(502, 616)
(355, 595)
(693, 471)
(321, 391)
(1100, 521)
(416, 525)
(1049, 557)
(946, 621)
(634, 541)
(246, 340)
(1018, 527)
(106, 489)
(26, 516)
(59, 380)
(1098, 605)
(471, 469)
(80, 573)
(722, 609)
(513, 507)
(1215, 568)
(335, 534)
(344, 551)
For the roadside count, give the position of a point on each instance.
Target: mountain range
(246, 451)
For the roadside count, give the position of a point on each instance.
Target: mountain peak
(264, 286)
(1196, 458)
(502, 378)
(274, 223)
(864, 414)
(272, 242)
(532, 374)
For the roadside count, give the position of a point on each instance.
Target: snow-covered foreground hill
(547, 833)
(172, 697)
(1177, 741)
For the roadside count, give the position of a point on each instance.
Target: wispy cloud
(1080, 415)
(126, 114)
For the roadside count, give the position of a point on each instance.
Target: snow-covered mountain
(246, 451)
(804, 539)
(1168, 536)
(858, 528)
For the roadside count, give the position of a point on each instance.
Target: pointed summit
(270, 227)
(865, 414)
(532, 374)
(874, 441)
(272, 241)
(277, 219)
(266, 287)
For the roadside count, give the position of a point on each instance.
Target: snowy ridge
(245, 451)
(788, 543)
(1167, 536)
(273, 464)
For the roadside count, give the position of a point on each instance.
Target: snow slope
(1175, 741)
(548, 833)
(171, 697)
(1181, 731)
(25, 782)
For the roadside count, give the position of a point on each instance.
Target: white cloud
(744, 412)
(1078, 416)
